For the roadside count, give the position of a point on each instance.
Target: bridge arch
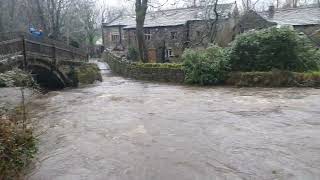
(46, 74)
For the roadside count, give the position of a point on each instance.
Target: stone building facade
(169, 32)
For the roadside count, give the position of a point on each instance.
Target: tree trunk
(141, 10)
(1, 23)
(12, 13)
(213, 28)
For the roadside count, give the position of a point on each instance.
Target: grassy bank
(17, 144)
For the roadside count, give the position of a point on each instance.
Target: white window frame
(147, 34)
(170, 52)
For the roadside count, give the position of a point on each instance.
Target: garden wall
(148, 71)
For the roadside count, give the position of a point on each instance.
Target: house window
(198, 34)
(174, 35)
(170, 53)
(115, 37)
(147, 34)
(134, 35)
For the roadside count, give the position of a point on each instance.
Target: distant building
(169, 32)
(304, 19)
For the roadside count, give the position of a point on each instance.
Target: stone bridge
(51, 62)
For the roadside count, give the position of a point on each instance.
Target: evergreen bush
(133, 54)
(273, 48)
(206, 67)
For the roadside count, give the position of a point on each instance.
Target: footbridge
(51, 62)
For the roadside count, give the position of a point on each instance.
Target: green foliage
(206, 67)
(273, 48)
(133, 54)
(17, 147)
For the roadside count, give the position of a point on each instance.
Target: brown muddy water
(123, 129)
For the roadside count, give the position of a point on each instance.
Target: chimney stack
(271, 11)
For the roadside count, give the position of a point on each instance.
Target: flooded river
(123, 129)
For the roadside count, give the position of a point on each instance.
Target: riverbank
(175, 73)
(17, 141)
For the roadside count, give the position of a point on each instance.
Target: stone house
(169, 32)
(303, 19)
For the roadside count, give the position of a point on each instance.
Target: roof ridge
(289, 9)
(170, 16)
(192, 7)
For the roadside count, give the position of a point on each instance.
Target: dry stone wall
(133, 70)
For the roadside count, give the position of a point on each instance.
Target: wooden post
(24, 52)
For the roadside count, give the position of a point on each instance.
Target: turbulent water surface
(123, 129)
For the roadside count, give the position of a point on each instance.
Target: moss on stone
(88, 74)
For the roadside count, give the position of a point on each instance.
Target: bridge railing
(23, 42)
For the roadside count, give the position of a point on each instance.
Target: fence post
(24, 52)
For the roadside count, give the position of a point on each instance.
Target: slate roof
(294, 16)
(174, 17)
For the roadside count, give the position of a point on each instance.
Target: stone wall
(274, 79)
(149, 72)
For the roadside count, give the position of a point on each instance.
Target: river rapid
(123, 129)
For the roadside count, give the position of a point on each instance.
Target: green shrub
(133, 54)
(273, 48)
(206, 67)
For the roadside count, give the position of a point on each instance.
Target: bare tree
(251, 4)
